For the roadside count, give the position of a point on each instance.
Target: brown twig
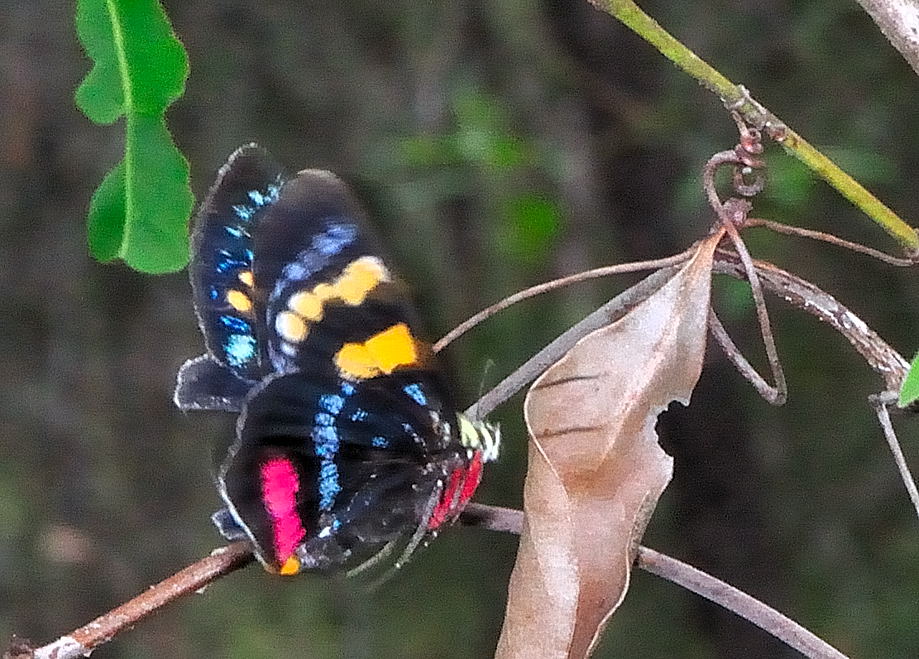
(789, 230)
(801, 294)
(880, 403)
(539, 362)
(886, 361)
(196, 576)
(733, 353)
(227, 559)
(763, 616)
(777, 394)
(732, 214)
(545, 287)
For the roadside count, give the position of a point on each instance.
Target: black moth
(347, 440)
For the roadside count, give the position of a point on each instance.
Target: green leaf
(106, 215)
(140, 211)
(909, 392)
(154, 241)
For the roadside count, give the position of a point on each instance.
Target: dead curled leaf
(596, 469)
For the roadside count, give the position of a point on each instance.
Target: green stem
(735, 96)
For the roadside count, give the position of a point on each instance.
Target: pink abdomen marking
(280, 484)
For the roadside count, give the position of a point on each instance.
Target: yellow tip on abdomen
(291, 566)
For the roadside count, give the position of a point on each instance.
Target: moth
(348, 443)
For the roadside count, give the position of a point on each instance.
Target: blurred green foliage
(526, 220)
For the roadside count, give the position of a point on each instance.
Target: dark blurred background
(498, 145)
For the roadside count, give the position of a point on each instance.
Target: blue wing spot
(416, 394)
(244, 212)
(324, 245)
(228, 263)
(214, 293)
(328, 484)
(335, 238)
(295, 271)
(326, 443)
(240, 348)
(237, 232)
(359, 415)
(236, 324)
(331, 403)
(380, 442)
(326, 440)
(347, 389)
(323, 419)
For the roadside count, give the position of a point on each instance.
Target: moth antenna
(374, 560)
(417, 538)
(489, 364)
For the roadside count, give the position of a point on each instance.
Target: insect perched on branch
(348, 443)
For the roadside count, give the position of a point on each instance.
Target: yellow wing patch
(359, 278)
(351, 287)
(307, 305)
(381, 354)
(291, 327)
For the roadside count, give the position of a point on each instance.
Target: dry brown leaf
(596, 469)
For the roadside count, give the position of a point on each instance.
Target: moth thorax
(480, 436)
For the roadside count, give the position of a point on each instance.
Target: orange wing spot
(306, 304)
(239, 301)
(291, 327)
(393, 347)
(246, 277)
(290, 566)
(359, 278)
(380, 354)
(355, 361)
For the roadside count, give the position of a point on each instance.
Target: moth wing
(228, 298)
(330, 286)
(362, 456)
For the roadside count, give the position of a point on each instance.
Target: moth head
(480, 436)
